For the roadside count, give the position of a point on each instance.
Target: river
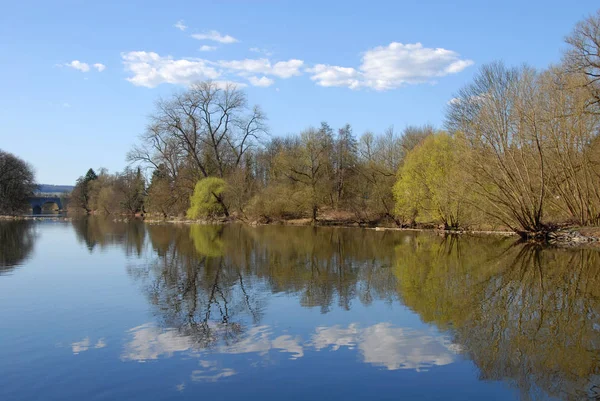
(93, 309)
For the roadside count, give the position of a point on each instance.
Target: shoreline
(573, 237)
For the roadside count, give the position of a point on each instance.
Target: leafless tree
(209, 126)
(501, 119)
(583, 55)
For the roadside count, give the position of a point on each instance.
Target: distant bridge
(38, 201)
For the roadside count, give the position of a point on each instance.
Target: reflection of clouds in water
(258, 341)
(150, 342)
(85, 344)
(392, 347)
(211, 372)
(381, 345)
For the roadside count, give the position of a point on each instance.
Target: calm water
(100, 310)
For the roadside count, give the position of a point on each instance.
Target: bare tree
(208, 126)
(583, 55)
(501, 120)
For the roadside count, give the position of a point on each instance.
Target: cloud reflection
(390, 347)
(85, 344)
(381, 345)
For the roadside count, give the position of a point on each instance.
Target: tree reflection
(16, 243)
(524, 314)
(210, 282)
(101, 232)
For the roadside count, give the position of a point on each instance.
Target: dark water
(99, 310)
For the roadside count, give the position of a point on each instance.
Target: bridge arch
(37, 203)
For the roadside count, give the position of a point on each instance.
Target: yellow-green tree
(207, 199)
(431, 186)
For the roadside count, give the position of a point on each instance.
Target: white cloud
(261, 51)
(83, 67)
(262, 81)
(180, 25)
(78, 65)
(215, 36)
(207, 48)
(281, 69)
(150, 69)
(100, 67)
(327, 75)
(389, 67)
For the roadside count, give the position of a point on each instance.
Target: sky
(78, 79)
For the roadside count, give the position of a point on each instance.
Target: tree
(379, 158)
(161, 197)
(413, 135)
(17, 183)
(583, 54)
(500, 117)
(131, 188)
(80, 197)
(205, 131)
(346, 158)
(207, 198)
(306, 163)
(571, 148)
(431, 185)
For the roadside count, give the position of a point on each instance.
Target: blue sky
(372, 64)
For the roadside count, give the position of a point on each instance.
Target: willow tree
(207, 200)
(572, 148)
(432, 185)
(499, 115)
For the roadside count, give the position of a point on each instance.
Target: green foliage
(431, 186)
(90, 175)
(207, 198)
(207, 240)
(278, 202)
(80, 197)
(17, 183)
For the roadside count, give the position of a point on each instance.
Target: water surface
(100, 310)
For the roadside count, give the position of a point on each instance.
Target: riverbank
(563, 237)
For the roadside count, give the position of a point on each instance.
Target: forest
(519, 150)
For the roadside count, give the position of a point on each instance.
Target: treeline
(520, 150)
(104, 193)
(17, 184)
(209, 155)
